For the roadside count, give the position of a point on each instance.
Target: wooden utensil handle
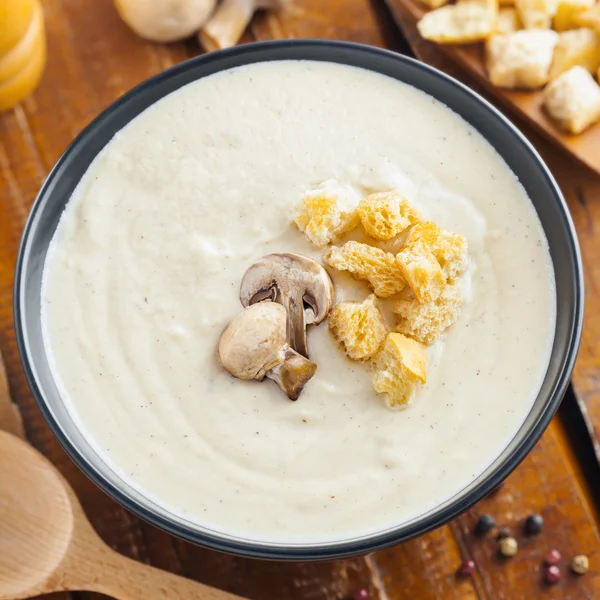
(10, 417)
(126, 579)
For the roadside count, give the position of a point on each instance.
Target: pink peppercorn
(361, 594)
(468, 567)
(552, 557)
(552, 574)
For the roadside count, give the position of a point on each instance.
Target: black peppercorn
(503, 532)
(534, 524)
(485, 524)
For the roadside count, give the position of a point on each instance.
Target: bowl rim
(305, 551)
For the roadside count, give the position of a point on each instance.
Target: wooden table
(93, 59)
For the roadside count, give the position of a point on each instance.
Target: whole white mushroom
(165, 20)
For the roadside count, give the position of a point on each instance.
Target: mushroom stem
(296, 325)
(227, 25)
(293, 373)
(225, 28)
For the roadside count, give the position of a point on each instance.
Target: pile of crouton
(419, 281)
(530, 44)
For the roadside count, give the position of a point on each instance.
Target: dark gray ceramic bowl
(513, 147)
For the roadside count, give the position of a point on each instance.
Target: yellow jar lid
(15, 17)
(18, 87)
(22, 53)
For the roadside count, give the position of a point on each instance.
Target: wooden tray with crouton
(584, 146)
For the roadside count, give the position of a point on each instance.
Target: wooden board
(93, 58)
(585, 146)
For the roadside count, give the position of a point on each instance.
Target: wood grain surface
(585, 146)
(94, 58)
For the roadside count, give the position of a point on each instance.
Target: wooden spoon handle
(10, 417)
(126, 579)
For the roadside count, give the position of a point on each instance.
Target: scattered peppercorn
(503, 532)
(534, 524)
(580, 564)
(485, 524)
(468, 567)
(508, 546)
(552, 557)
(552, 574)
(361, 594)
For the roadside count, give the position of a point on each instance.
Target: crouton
(385, 215)
(434, 3)
(425, 231)
(421, 271)
(573, 100)
(521, 59)
(589, 18)
(536, 14)
(465, 22)
(426, 322)
(327, 213)
(564, 19)
(578, 47)
(372, 264)
(450, 250)
(508, 21)
(399, 366)
(359, 326)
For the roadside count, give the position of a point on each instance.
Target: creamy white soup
(143, 276)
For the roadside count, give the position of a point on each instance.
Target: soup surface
(143, 276)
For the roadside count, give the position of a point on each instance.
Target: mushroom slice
(254, 346)
(299, 283)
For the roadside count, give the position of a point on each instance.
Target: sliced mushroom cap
(254, 346)
(299, 283)
(249, 345)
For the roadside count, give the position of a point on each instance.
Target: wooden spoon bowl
(48, 545)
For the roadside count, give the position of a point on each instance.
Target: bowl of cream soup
(130, 267)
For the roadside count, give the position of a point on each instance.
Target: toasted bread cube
(589, 18)
(578, 47)
(425, 231)
(426, 322)
(564, 19)
(465, 22)
(359, 326)
(421, 270)
(521, 59)
(450, 250)
(536, 14)
(399, 366)
(327, 213)
(573, 100)
(434, 3)
(508, 21)
(386, 214)
(372, 264)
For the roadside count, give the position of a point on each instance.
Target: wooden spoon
(48, 545)
(10, 417)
